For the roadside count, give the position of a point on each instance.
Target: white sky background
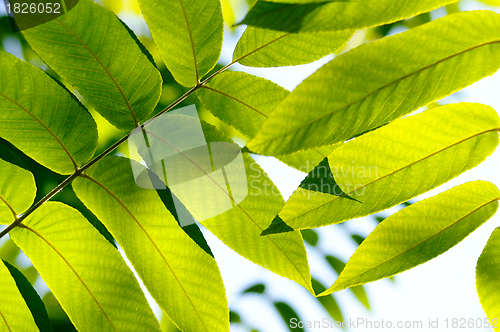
(442, 288)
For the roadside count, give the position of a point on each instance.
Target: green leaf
(381, 81)
(419, 233)
(358, 291)
(288, 315)
(17, 188)
(14, 313)
(260, 47)
(234, 317)
(43, 119)
(167, 325)
(251, 100)
(191, 290)
(488, 276)
(321, 179)
(32, 299)
(240, 228)
(402, 160)
(328, 302)
(78, 264)
(310, 236)
(93, 51)
(306, 161)
(258, 288)
(301, 16)
(9, 251)
(188, 35)
(358, 238)
(252, 200)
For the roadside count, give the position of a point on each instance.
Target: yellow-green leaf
(394, 163)
(488, 277)
(183, 279)
(188, 34)
(43, 119)
(260, 47)
(251, 100)
(84, 271)
(97, 54)
(381, 81)
(419, 233)
(15, 315)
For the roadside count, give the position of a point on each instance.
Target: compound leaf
(402, 160)
(94, 52)
(419, 233)
(378, 82)
(188, 34)
(43, 119)
(84, 271)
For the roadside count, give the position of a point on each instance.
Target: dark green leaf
(33, 301)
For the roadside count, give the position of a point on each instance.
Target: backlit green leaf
(402, 160)
(14, 312)
(84, 271)
(419, 233)
(260, 47)
(234, 198)
(251, 100)
(188, 34)
(299, 15)
(305, 161)
(328, 302)
(358, 291)
(17, 188)
(488, 277)
(383, 80)
(240, 229)
(93, 50)
(241, 100)
(289, 316)
(32, 299)
(183, 278)
(43, 119)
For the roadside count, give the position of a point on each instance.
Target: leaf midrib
(414, 246)
(72, 269)
(9, 206)
(44, 126)
(151, 240)
(259, 48)
(188, 26)
(136, 123)
(398, 170)
(383, 87)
